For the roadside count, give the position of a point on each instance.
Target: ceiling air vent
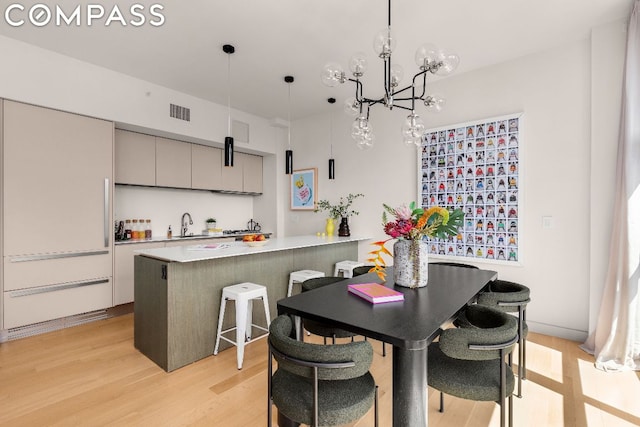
(240, 131)
(180, 113)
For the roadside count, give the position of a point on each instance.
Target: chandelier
(429, 59)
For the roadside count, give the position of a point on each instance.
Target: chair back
(454, 264)
(363, 269)
(490, 329)
(359, 352)
(318, 282)
(502, 292)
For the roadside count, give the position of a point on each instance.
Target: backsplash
(165, 206)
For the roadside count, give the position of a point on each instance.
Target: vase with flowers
(342, 210)
(410, 225)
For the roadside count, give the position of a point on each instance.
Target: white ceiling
(274, 38)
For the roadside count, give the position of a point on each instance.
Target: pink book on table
(375, 293)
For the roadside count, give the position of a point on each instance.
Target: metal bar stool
(300, 276)
(346, 267)
(243, 294)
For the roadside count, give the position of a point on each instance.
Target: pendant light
(228, 141)
(288, 154)
(332, 162)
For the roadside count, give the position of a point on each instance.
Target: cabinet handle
(56, 256)
(106, 213)
(54, 288)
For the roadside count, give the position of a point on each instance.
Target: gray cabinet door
(232, 176)
(252, 174)
(173, 163)
(206, 167)
(135, 158)
(58, 170)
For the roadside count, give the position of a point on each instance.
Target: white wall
(553, 89)
(165, 206)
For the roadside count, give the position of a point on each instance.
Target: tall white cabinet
(57, 227)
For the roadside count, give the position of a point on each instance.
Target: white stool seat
(346, 267)
(300, 276)
(243, 294)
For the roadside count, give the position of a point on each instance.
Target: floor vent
(180, 113)
(53, 325)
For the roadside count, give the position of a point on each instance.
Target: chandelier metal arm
(387, 78)
(429, 60)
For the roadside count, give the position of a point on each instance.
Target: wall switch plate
(547, 222)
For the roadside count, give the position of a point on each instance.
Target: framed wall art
(475, 167)
(303, 189)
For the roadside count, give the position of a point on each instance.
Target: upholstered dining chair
(319, 385)
(359, 271)
(511, 297)
(454, 264)
(470, 362)
(318, 328)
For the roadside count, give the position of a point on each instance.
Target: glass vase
(411, 263)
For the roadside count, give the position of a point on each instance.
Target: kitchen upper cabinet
(206, 167)
(232, 176)
(252, 173)
(173, 163)
(135, 155)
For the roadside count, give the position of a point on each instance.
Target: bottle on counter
(141, 229)
(128, 232)
(147, 230)
(169, 233)
(135, 230)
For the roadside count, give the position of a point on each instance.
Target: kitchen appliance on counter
(253, 225)
(238, 234)
(236, 231)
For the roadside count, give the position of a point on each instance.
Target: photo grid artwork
(475, 167)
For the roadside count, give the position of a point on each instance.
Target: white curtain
(616, 339)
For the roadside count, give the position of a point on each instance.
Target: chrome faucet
(185, 224)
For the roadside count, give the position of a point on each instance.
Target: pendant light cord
(289, 118)
(229, 95)
(331, 134)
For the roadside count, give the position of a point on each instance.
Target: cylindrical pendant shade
(228, 151)
(289, 161)
(332, 169)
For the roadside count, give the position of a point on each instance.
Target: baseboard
(557, 331)
(62, 323)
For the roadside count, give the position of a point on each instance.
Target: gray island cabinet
(178, 289)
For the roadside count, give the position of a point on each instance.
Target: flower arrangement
(342, 209)
(413, 223)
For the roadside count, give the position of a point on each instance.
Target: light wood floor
(91, 375)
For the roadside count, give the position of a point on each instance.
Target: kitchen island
(178, 289)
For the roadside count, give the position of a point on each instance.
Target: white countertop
(228, 249)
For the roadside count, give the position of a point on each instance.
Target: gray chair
(511, 297)
(470, 362)
(318, 385)
(454, 264)
(324, 330)
(319, 328)
(359, 271)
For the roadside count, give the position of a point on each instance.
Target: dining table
(409, 325)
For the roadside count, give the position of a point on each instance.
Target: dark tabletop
(409, 324)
